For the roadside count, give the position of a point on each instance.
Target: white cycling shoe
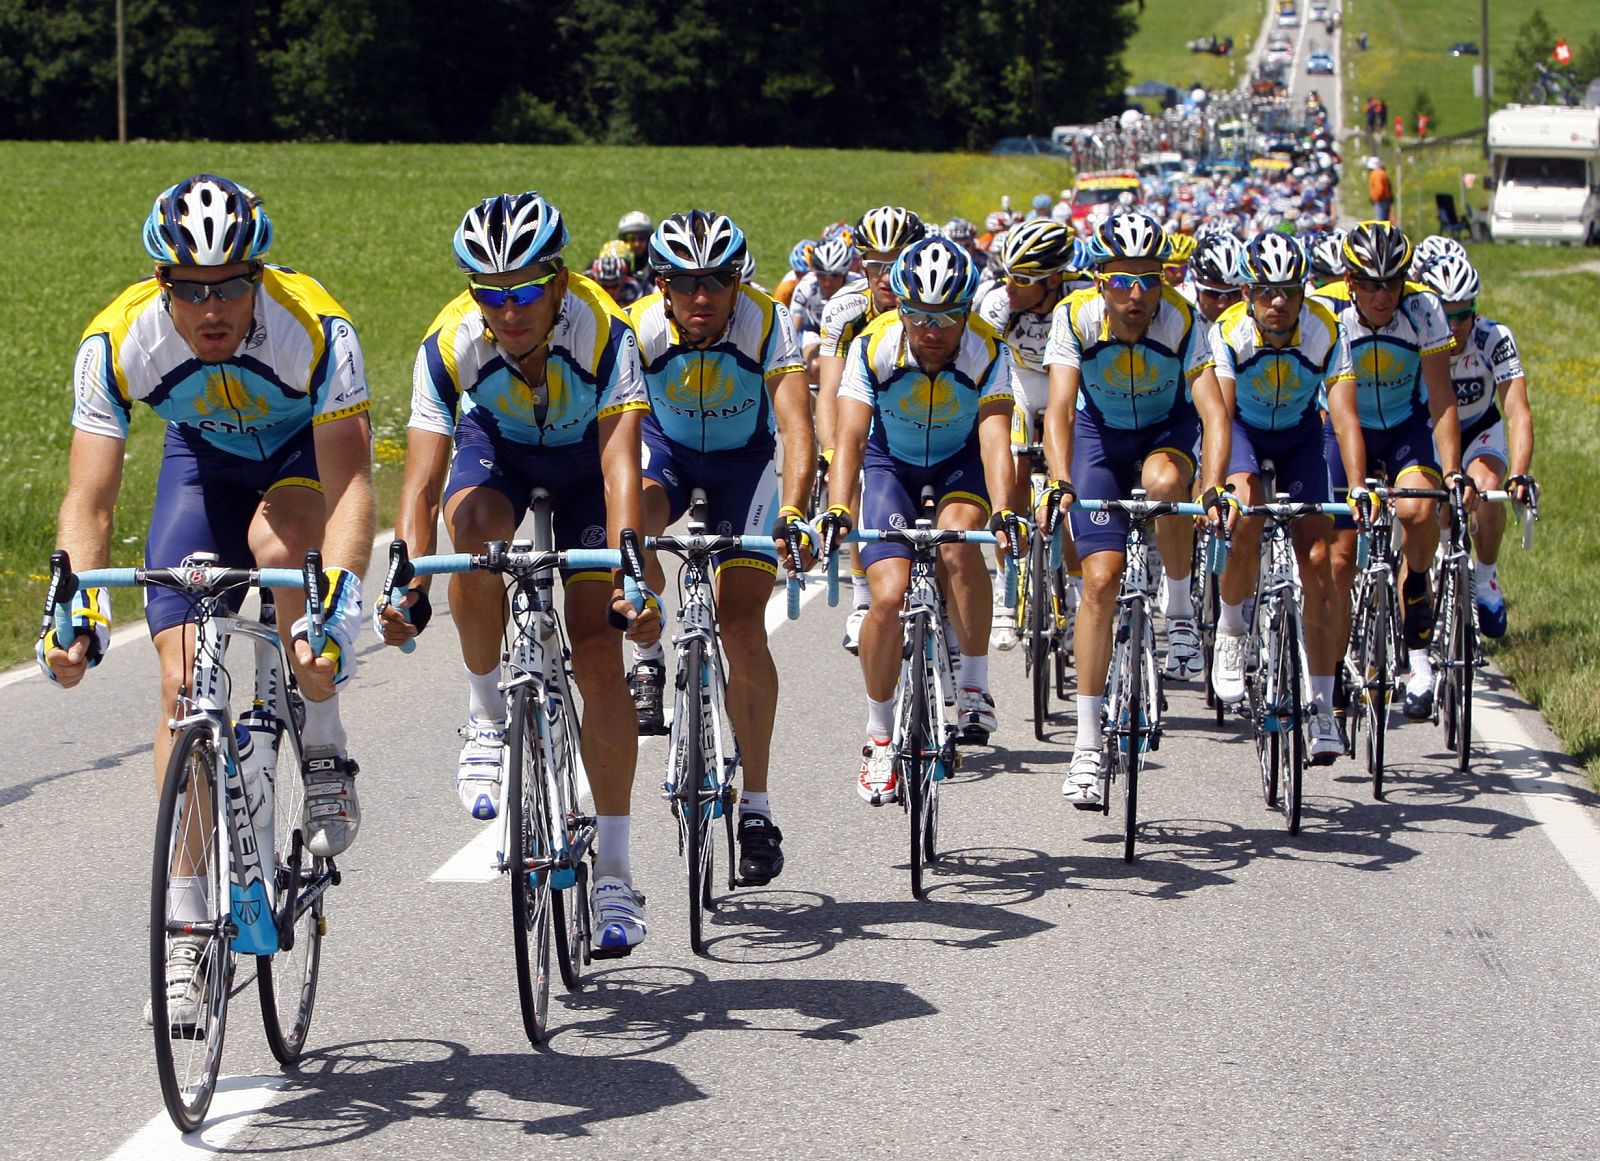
(618, 918)
(478, 771)
(1082, 787)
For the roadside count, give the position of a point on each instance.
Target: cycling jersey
(300, 364)
(591, 372)
(920, 419)
(805, 306)
(1488, 360)
(1128, 386)
(716, 398)
(1277, 389)
(1026, 333)
(845, 316)
(1388, 361)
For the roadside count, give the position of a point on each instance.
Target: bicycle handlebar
(704, 547)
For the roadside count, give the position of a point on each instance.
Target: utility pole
(1483, 36)
(122, 82)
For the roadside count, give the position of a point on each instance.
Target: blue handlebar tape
(395, 597)
(1217, 555)
(833, 578)
(794, 598)
(634, 592)
(1011, 582)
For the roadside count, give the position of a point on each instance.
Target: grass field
(1409, 42)
(373, 223)
(1159, 49)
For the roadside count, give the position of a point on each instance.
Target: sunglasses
(1026, 279)
(1126, 282)
(522, 294)
(940, 319)
(1272, 291)
(1373, 285)
(711, 279)
(875, 267)
(1462, 315)
(1230, 293)
(228, 290)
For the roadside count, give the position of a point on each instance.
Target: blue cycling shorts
(741, 487)
(1106, 465)
(891, 493)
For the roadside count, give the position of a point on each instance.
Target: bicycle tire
(287, 980)
(189, 1062)
(1131, 740)
(1458, 683)
(1379, 685)
(1292, 751)
(569, 906)
(915, 746)
(1034, 589)
(689, 775)
(531, 836)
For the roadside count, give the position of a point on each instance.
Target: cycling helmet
(800, 256)
(960, 230)
(1377, 250)
(608, 268)
(206, 220)
(1452, 278)
(1081, 260)
(1182, 248)
(931, 230)
(1037, 247)
(934, 273)
(1431, 249)
(838, 230)
(833, 257)
(1128, 234)
(747, 268)
(1274, 259)
(509, 232)
(697, 240)
(617, 248)
(1327, 256)
(1216, 259)
(634, 222)
(888, 228)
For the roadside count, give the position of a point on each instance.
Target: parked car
(1464, 48)
(1020, 146)
(1288, 15)
(1320, 62)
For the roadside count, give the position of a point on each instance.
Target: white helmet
(635, 222)
(835, 256)
(1452, 278)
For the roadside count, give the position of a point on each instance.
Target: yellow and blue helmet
(206, 220)
(934, 274)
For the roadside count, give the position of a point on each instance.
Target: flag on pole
(1563, 52)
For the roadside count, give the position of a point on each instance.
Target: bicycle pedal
(610, 952)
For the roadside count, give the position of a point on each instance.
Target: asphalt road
(1408, 978)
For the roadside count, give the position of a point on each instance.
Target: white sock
(486, 701)
(998, 582)
(1230, 619)
(186, 898)
(860, 590)
(1322, 691)
(1176, 601)
(975, 671)
(611, 848)
(1089, 722)
(880, 719)
(1486, 576)
(1421, 665)
(323, 727)
(754, 802)
(648, 653)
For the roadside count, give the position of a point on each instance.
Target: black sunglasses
(712, 279)
(228, 290)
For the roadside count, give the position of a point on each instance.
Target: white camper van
(1546, 161)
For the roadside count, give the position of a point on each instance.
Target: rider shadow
(786, 926)
(637, 1011)
(11, 795)
(1018, 874)
(355, 1090)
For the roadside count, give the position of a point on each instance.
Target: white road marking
(477, 861)
(1566, 821)
(237, 1100)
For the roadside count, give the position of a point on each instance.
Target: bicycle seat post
(927, 509)
(697, 512)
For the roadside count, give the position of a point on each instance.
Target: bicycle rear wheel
(569, 906)
(191, 865)
(287, 981)
(531, 839)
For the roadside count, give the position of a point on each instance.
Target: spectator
(1399, 128)
(1379, 190)
(1422, 126)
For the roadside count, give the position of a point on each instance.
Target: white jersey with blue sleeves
(1279, 388)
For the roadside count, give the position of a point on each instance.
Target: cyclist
(1327, 260)
(1019, 308)
(1130, 384)
(964, 234)
(724, 379)
(633, 230)
(530, 378)
(611, 272)
(1496, 421)
(1176, 265)
(926, 400)
(832, 262)
(1214, 286)
(880, 235)
(1277, 358)
(1400, 350)
(799, 266)
(261, 379)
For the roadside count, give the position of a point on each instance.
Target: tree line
(929, 74)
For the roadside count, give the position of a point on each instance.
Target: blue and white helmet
(1128, 234)
(800, 256)
(1453, 278)
(1274, 259)
(835, 256)
(935, 274)
(1327, 255)
(695, 241)
(1216, 259)
(509, 232)
(206, 220)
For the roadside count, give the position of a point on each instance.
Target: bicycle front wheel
(569, 906)
(287, 980)
(531, 843)
(1130, 728)
(1375, 662)
(917, 753)
(190, 915)
(691, 778)
(1039, 616)
(1291, 749)
(1458, 678)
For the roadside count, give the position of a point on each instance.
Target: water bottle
(250, 873)
(258, 760)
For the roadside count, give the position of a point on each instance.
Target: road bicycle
(231, 827)
(1277, 676)
(1377, 641)
(1210, 552)
(1134, 702)
(1046, 605)
(702, 753)
(926, 730)
(546, 836)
